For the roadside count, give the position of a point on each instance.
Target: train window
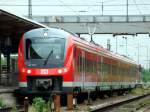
(109, 68)
(81, 66)
(130, 71)
(121, 71)
(74, 52)
(94, 66)
(99, 65)
(35, 48)
(28, 43)
(105, 68)
(49, 51)
(124, 71)
(88, 65)
(78, 64)
(114, 70)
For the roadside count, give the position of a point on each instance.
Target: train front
(41, 58)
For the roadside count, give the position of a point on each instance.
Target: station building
(12, 27)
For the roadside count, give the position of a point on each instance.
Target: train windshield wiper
(46, 60)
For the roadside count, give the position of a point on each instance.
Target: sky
(137, 46)
(78, 7)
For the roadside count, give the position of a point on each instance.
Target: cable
(104, 1)
(73, 5)
(137, 7)
(68, 7)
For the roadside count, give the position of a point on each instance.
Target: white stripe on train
(65, 84)
(86, 84)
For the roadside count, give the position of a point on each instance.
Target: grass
(140, 90)
(2, 104)
(39, 105)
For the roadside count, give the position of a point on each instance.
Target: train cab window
(46, 50)
(36, 48)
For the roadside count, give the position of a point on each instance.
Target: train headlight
(59, 71)
(28, 71)
(45, 34)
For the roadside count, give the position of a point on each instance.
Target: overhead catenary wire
(68, 7)
(79, 5)
(137, 7)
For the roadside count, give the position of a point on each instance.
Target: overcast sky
(78, 7)
(137, 46)
(93, 7)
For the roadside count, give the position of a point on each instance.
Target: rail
(20, 108)
(112, 104)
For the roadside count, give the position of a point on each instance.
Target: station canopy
(12, 28)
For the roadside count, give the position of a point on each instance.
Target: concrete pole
(147, 57)
(108, 44)
(126, 44)
(127, 11)
(102, 8)
(116, 44)
(138, 51)
(30, 9)
(149, 64)
(126, 47)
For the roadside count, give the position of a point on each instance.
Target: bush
(39, 104)
(2, 104)
(137, 91)
(145, 75)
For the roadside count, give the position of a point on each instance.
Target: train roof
(105, 51)
(39, 32)
(111, 54)
(96, 47)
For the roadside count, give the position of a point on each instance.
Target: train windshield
(48, 51)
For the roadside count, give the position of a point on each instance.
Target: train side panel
(86, 75)
(68, 78)
(94, 70)
(85, 65)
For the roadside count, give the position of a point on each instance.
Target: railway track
(108, 106)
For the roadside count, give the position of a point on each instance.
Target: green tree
(145, 73)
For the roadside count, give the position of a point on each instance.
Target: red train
(55, 60)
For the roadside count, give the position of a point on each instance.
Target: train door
(83, 68)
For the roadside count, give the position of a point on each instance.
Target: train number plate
(44, 71)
